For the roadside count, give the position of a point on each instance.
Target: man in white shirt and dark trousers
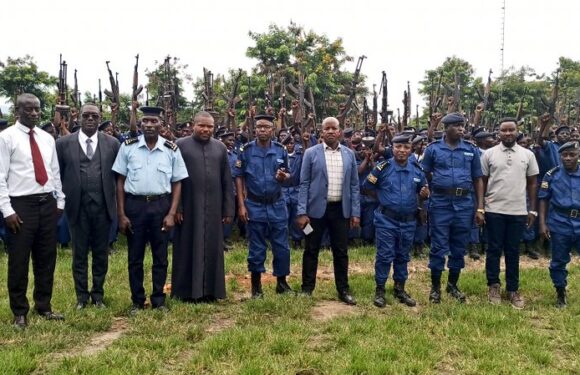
(31, 200)
(509, 171)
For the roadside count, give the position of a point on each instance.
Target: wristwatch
(535, 213)
(480, 211)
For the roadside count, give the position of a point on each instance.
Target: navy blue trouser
(146, 222)
(393, 247)
(277, 234)
(561, 248)
(450, 234)
(504, 235)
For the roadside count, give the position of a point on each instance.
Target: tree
(21, 75)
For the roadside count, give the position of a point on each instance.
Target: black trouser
(36, 238)
(146, 222)
(90, 233)
(338, 228)
(504, 235)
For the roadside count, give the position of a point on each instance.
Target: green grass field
(301, 335)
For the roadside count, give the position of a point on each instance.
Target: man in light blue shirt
(150, 171)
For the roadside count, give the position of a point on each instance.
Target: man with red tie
(31, 200)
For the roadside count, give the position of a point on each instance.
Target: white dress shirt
(335, 172)
(83, 141)
(17, 176)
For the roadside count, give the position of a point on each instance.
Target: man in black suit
(86, 159)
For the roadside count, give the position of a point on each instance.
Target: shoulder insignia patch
(372, 178)
(551, 171)
(382, 165)
(544, 185)
(130, 141)
(170, 145)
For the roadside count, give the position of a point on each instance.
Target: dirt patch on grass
(326, 310)
(220, 323)
(100, 341)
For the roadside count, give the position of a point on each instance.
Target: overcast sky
(404, 38)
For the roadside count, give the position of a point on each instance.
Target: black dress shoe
(81, 305)
(99, 305)
(135, 309)
(347, 298)
(454, 292)
(20, 321)
(51, 315)
(435, 295)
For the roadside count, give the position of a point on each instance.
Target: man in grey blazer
(86, 159)
(328, 199)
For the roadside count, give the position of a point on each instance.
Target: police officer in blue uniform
(260, 171)
(150, 171)
(560, 215)
(397, 182)
(291, 192)
(228, 140)
(453, 168)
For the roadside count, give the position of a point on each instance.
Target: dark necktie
(90, 151)
(39, 170)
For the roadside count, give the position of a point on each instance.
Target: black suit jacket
(67, 149)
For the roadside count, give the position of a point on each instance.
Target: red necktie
(39, 170)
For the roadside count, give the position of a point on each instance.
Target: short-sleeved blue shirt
(149, 172)
(452, 169)
(562, 188)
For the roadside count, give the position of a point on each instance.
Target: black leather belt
(264, 199)
(573, 213)
(457, 192)
(40, 198)
(147, 198)
(392, 214)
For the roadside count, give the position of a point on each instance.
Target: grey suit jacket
(67, 149)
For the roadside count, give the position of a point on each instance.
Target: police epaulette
(170, 145)
(470, 142)
(433, 141)
(382, 165)
(245, 146)
(130, 141)
(279, 144)
(549, 173)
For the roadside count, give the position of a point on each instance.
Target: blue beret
(568, 146)
(418, 139)
(3, 122)
(104, 124)
(453, 118)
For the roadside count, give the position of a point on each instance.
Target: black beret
(562, 128)
(152, 111)
(453, 118)
(403, 138)
(482, 134)
(348, 132)
(568, 146)
(227, 134)
(104, 124)
(264, 116)
(418, 139)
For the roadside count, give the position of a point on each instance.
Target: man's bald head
(201, 115)
(24, 98)
(332, 120)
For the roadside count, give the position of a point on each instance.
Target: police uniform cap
(453, 118)
(264, 116)
(482, 134)
(227, 134)
(151, 111)
(562, 128)
(423, 130)
(402, 138)
(418, 139)
(409, 130)
(348, 132)
(104, 124)
(568, 146)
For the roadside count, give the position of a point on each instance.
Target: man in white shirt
(509, 171)
(31, 200)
